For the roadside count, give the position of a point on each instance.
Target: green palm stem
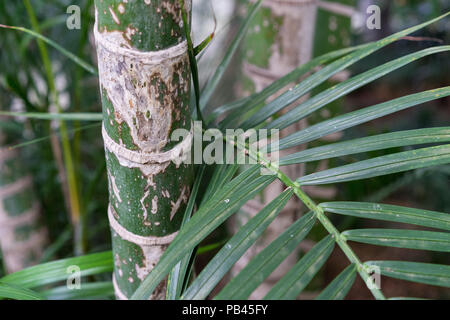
(310, 204)
(75, 208)
(145, 88)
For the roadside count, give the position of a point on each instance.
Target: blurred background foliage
(23, 87)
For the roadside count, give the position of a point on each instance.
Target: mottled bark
(23, 236)
(145, 88)
(279, 40)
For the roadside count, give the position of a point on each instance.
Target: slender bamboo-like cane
(23, 236)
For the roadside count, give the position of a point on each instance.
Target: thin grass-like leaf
(393, 163)
(56, 133)
(86, 66)
(221, 176)
(412, 239)
(264, 263)
(255, 100)
(340, 286)
(198, 49)
(210, 247)
(54, 271)
(192, 60)
(300, 275)
(86, 116)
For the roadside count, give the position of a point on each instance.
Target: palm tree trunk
(145, 88)
(23, 236)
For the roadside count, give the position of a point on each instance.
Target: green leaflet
(412, 239)
(210, 215)
(233, 250)
(55, 271)
(364, 115)
(388, 212)
(263, 264)
(235, 105)
(56, 133)
(343, 88)
(198, 49)
(393, 163)
(296, 279)
(319, 77)
(86, 116)
(377, 142)
(9, 291)
(433, 274)
(339, 287)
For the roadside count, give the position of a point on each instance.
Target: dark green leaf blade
(364, 115)
(8, 291)
(350, 85)
(86, 66)
(322, 75)
(433, 274)
(235, 248)
(177, 276)
(388, 212)
(412, 239)
(54, 271)
(393, 163)
(296, 279)
(72, 116)
(263, 264)
(377, 142)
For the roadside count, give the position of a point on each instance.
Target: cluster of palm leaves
(230, 186)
